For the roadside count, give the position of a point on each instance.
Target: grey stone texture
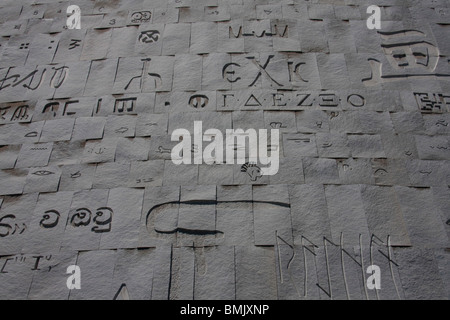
(87, 177)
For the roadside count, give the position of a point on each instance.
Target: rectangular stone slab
(48, 222)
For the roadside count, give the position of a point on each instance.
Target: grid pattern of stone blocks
(86, 176)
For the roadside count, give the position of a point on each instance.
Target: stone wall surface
(87, 179)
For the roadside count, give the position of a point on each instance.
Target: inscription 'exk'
(230, 72)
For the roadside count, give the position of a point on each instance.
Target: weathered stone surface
(422, 217)
(34, 155)
(214, 273)
(80, 232)
(419, 274)
(320, 171)
(98, 273)
(77, 177)
(310, 220)
(111, 175)
(49, 281)
(126, 205)
(384, 218)
(12, 181)
(347, 219)
(255, 273)
(8, 156)
(57, 130)
(45, 179)
(16, 215)
(182, 274)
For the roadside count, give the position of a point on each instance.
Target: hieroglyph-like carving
(406, 51)
(55, 77)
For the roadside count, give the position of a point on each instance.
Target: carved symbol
(328, 100)
(124, 104)
(75, 43)
(198, 100)
(52, 106)
(439, 147)
(58, 79)
(164, 150)
(16, 80)
(305, 96)
(32, 134)
(75, 175)
(144, 180)
(16, 227)
(121, 130)
(300, 140)
(346, 167)
(51, 47)
(66, 104)
(356, 100)
(431, 102)
(442, 122)
(6, 225)
(4, 111)
(82, 217)
(100, 150)
(21, 113)
(277, 125)
(36, 148)
(149, 36)
(99, 105)
(144, 72)
(381, 172)
(262, 69)
(24, 46)
(252, 170)
(47, 218)
(252, 102)
(295, 71)
(200, 231)
(103, 219)
(273, 32)
(225, 72)
(122, 293)
(43, 173)
(334, 115)
(141, 16)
